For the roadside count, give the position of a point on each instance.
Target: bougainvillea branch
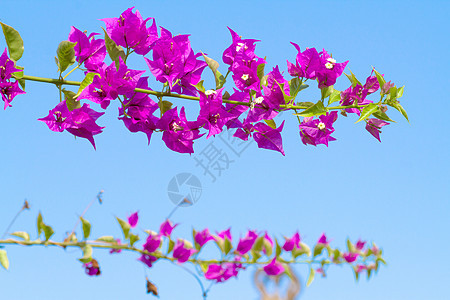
(254, 249)
(250, 109)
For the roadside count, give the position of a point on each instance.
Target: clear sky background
(395, 193)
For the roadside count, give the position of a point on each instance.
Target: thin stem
(84, 212)
(104, 245)
(71, 71)
(167, 94)
(196, 277)
(13, 221)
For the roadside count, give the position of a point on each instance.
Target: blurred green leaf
(48, 231)
(312, 273)
(133, 239)
(125, 227)
(4, 259)
(87, 254)
(171, 245)
(86, 227)
(21, 234)
(39, 223)
(318, 248)
(106, 239)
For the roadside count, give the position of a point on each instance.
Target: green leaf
(326, 91)
(271, 123)
(268, 247)
(87, 254)
(14, 42)
(264, 80)
(199, 86)
(287, 98)
(171, 245)
(304, 249)
(353, 79)
(204, 266)
(21, 234)
(4, 259)
(318, 248)
(367, 111)
(315, 110)
(392, 94)
(381, 80)
(227, 246)
(86, 228)
(382, 116)
(214, 65)
(22, 83)
(257, 247)
(86, 81)
(287, 270)
(164, 106)
(334, 97)
(255, 256)
(113, 49)
(48, 231)
(133, 239)
(106, 239)
(277, 249)
(40, 222)
(71, 102)
(400, 91)
(18, 74)
(307, 104)
(350, 246)
(312, 273)
(356, 273)
(400, 108)
(125, 227)
(260, 71)
(336, 255)
(294, 86)
(66, 55)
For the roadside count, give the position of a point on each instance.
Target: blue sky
(395, 193)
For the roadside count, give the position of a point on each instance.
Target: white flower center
(244, 77)
(321, 126)
(259, 100)
(210, 92)
(239, 46)
(330, 63)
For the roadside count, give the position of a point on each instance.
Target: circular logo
(184, 189)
